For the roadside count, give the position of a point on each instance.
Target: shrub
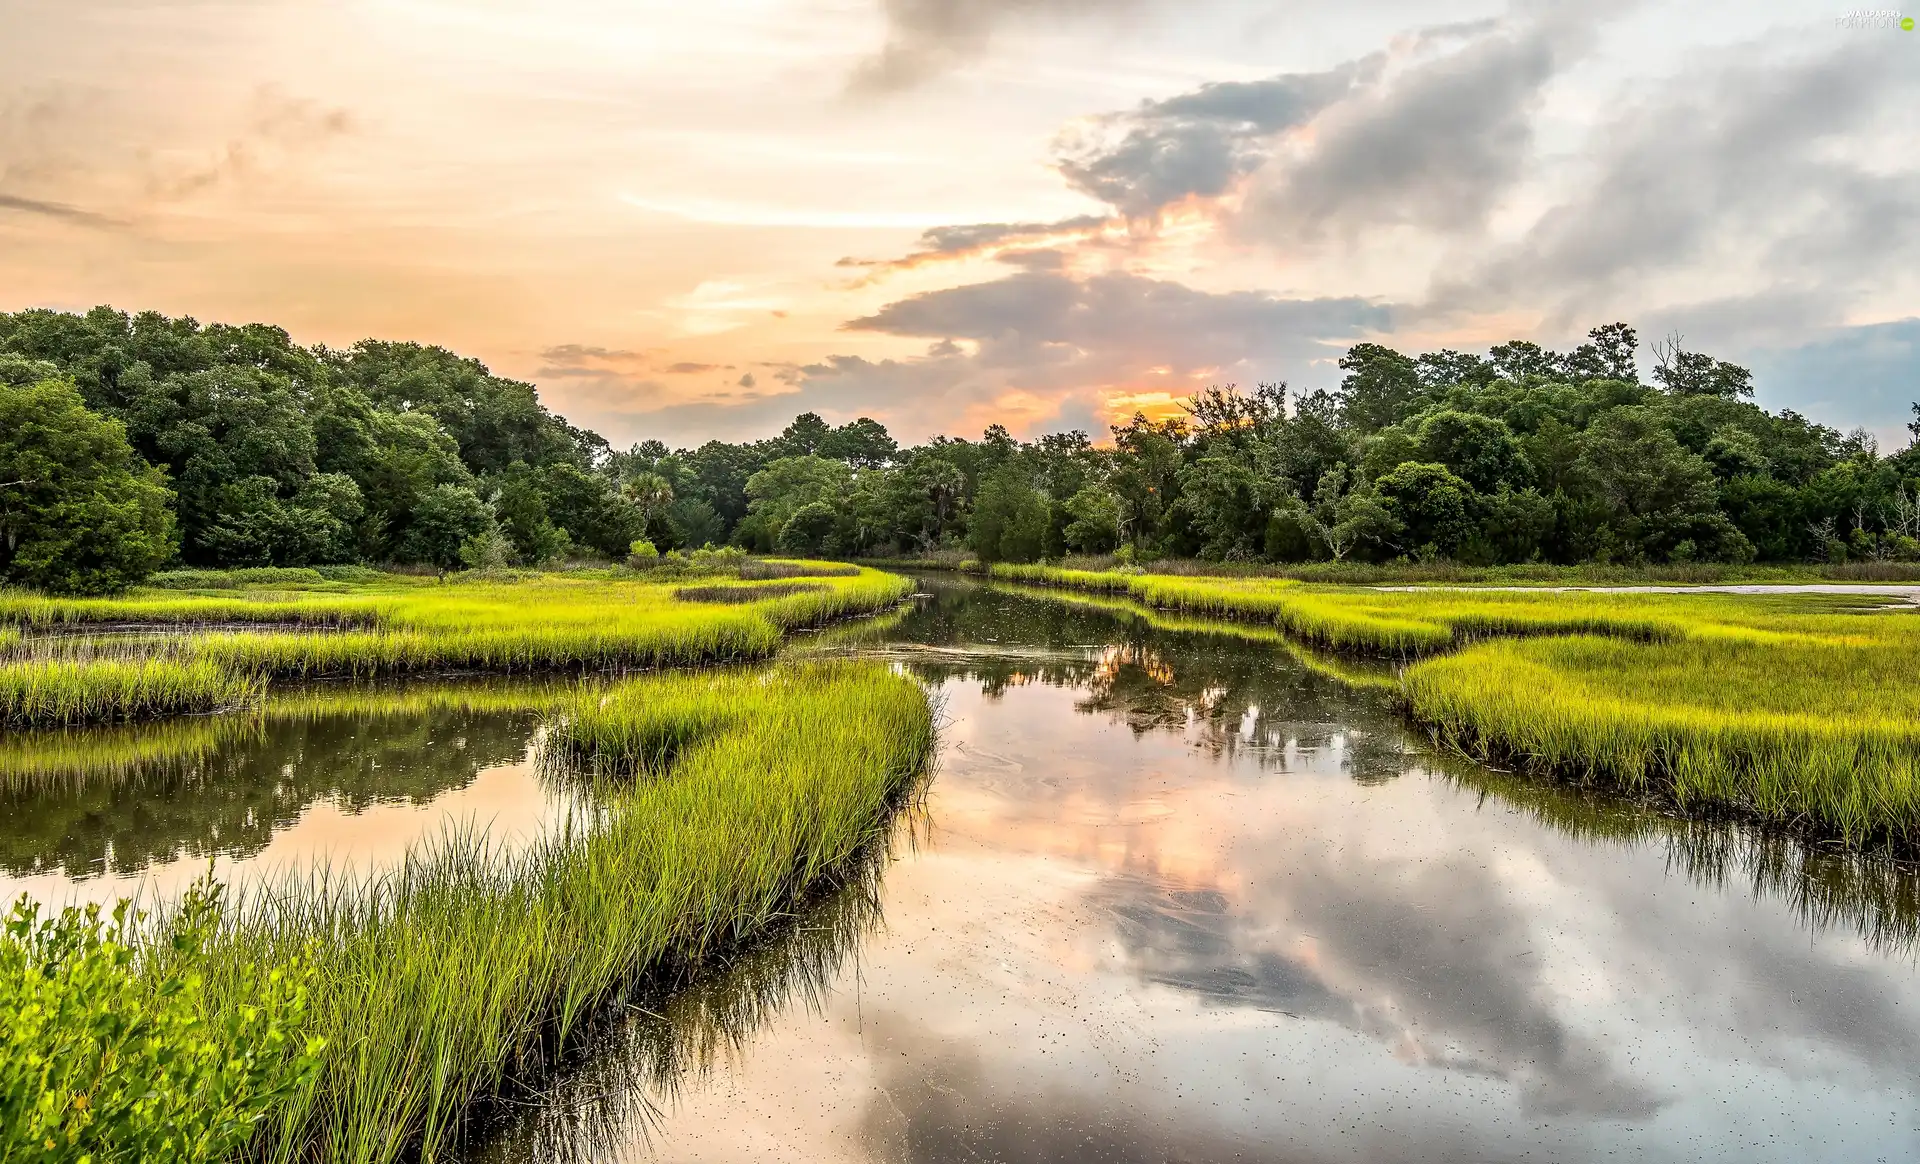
(487, 550)
(249, 576)
(107, 1051)
(642, 555)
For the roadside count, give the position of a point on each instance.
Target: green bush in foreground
(109, 1050)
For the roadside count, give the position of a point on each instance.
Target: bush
(643, 555)
(349, 573)
(249, 576)
(488, 550)
(107, 1051)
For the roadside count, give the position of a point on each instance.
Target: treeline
(135, 441)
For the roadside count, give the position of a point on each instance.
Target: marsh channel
(1173, 894)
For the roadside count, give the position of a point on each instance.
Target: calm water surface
(348, 777)
(1174, 896)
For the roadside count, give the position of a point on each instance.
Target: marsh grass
(1817, 735)
(451, 977)
(731, 595)
(630, 1064)
(551, 622)
(52, 693)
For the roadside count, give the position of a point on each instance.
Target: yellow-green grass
(58, 693)
(1423, 621)
(1821, 732)
(447, 980)
(549, 622)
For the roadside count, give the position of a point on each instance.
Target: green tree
(786, 486)
(1009, 518)
(1381, 387)
(809, 531)
(444, 520)
(1094, 527)
(1658, 494)
(1479, 449)
(520, 510)
(1434, 507)
(79, 512)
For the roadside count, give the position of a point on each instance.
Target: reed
(72, 693)
(545, 623)
(450, 978)
(1821, 735)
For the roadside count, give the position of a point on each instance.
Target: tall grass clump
(1820, 735)
(725, 799)
(64, 693)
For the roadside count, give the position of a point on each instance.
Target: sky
(689, 222)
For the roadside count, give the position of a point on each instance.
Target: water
(343, 776)
(1174, 896)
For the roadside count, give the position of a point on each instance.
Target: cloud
(62, 153)
(1041, 346)
(1750, 188)
(928, 37)
(689, 368)
(1433, 130)
(277, 126)
(575, 353)
(58, 210)
(1436, 142)
(1009, 241)
(1198, 143)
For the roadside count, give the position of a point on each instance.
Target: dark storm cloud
(1794, 169)
(928, 37)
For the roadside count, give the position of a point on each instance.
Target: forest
(131, 443)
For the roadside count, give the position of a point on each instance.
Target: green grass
(387, 628)
(1454, 574)
(66, 693)
(1819, 732)
(449, 979)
